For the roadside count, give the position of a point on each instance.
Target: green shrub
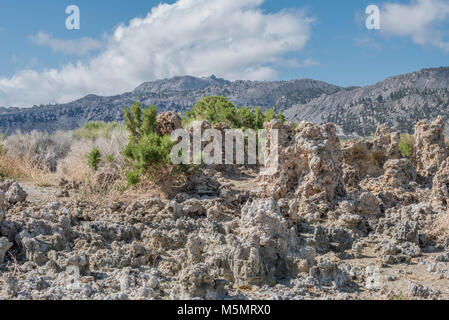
(400, 296)
(221, 110)
(406, 145)
(270, 115)
(259, 118)
(94, 158)
(96, 129)
(246, 118)
(140, 122)
(133, 177)
(110, 158)
(147, 152)
(281, 117)
(215, 110)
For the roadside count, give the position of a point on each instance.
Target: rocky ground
(335, 221)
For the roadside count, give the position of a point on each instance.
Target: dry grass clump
(43, 158)
(40, 149)
(75, 167)
(165, 186)
(19, 159)
(23, 169)
(96, 129)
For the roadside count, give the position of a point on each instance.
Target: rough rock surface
(301, 233)
(399, 173)
(168, 122)
(440, 187)
(429, 147)
(308, 164)
(11, 193)
(268, 247)
(15, 194)
(367, 158)
(5, 245)
(3, 203)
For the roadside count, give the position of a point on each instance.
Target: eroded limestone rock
(167, 122)
(197, 282)
(5, 245)
(367, 158)
(399, 173)
(268, 247)
(15, 193)
(429, 147)
(309, 164)
(440, 188)
(3, 204)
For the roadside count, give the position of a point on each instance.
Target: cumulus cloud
(310, 63)
(424, 21)
(77, 46)
(233, 39)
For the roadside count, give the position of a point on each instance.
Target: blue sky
(323, 40)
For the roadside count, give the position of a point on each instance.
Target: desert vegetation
(134, 149)
(334, 219)
(43, 158)
(219, 110)
(147, 153)
(406, 145)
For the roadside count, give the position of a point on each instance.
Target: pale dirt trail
(39, 195)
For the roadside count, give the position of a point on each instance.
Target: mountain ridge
(175, 94)
(399, 101)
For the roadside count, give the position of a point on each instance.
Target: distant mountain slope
(400, 101)
(175, 94)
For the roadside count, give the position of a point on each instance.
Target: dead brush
(15, 167)
(15, 264)
(105, 194)
(8, 167)
(33, 156)
(75, 166)
(166, 186)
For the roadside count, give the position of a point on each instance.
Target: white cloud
(233, 39)
(423, 21)
(77, 47)
(310, 63)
